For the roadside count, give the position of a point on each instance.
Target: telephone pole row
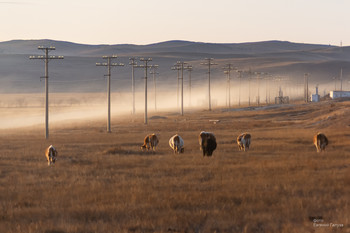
(46, 58)
(109, 65)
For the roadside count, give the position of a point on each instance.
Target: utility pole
(306, 87)
(109, 65)
(209, 64)
(133, 63)
(227, 71)
(154, 72)
(259, 77)
(180, 65)
(258, 99)
(266, 82)
(178, 68)
(189, 68)
(145, 66)
(250, 79)
(341, 82)
(239, 87)
(46, 58)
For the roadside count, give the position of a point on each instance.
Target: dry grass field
(103, 183)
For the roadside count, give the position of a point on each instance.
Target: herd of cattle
(207, 143)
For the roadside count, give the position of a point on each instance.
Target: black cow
(207, 143)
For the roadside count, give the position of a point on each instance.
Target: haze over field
(282, 64)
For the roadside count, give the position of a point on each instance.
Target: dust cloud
(21, 110)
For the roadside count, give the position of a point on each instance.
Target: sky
(151, 21)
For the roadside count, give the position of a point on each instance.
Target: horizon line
(175, 40)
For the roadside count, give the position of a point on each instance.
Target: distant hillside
(73, 49)
(78, 72)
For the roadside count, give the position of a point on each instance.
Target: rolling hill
(78, 73)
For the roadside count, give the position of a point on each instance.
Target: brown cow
(150, 142)
(320, 141)
(51, 155)
(243, 141)
(207, 143)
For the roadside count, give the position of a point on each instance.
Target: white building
(339, 94)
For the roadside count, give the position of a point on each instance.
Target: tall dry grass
(104, 183)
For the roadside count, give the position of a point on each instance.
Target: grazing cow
(207, 143)
(177, 144)
(51, 155)
(243, 141)
(150, 142)
(320, 141)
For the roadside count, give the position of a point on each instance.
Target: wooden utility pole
(133, 63)
(109, 65)
(209, 63)
(145, 66)
(306, 87)
(227, 70)
(46, 58)
(189, 69)
(154, 72)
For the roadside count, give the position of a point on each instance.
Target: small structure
(339, 94)
(315, 97)
(280, 99)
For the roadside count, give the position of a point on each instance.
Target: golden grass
(103, 182)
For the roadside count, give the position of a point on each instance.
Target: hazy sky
(151, 21)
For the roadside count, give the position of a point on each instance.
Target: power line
(209, 64)
(109, 65)
(46, 58)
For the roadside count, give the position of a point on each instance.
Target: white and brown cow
(243, 141)
(320, 141)
(207, 143)
(51, 155)
(150, 142)
(177, 144)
